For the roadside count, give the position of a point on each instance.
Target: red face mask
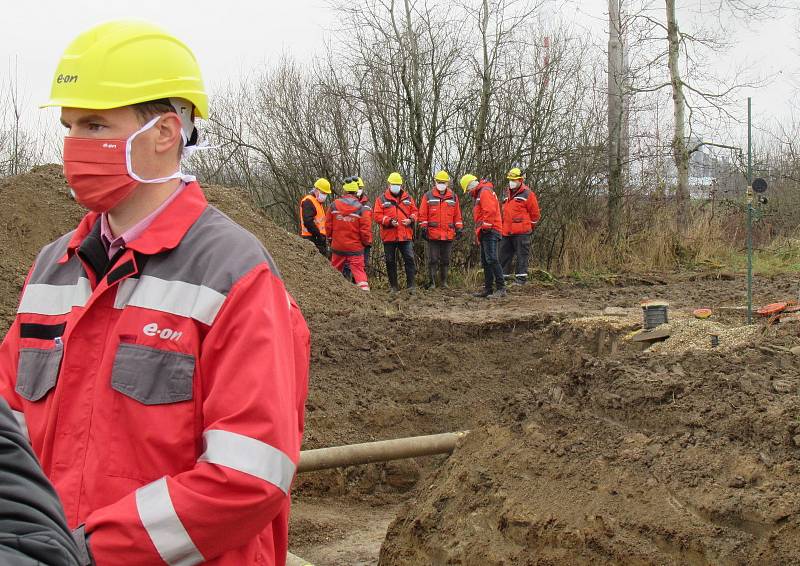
(99, 171)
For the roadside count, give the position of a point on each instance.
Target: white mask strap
(128, 147)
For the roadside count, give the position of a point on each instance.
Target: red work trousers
(356, 265)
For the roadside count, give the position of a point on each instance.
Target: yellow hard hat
(466, 180)
(360, 183)
(395, 179)
(125, 62)
(323, 185)
(442, 176)
(514, 174)
(350, 185)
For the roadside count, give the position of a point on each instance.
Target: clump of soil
(647, 459)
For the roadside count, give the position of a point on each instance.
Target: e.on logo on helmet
(66, 79)
(109, 146)
(152, 329)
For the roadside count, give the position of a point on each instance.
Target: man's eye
(96, 127)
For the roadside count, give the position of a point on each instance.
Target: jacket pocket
(37, 370)
(152, 376)
(153, 425)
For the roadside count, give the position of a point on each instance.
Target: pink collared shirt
(113, 245)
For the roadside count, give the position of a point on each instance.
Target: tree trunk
(486, 86)
(615, 124)
(680, 151)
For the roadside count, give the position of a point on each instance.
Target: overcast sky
(232, 36)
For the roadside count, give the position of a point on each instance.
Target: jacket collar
(165, 232)
(448, 193)
(397, 198)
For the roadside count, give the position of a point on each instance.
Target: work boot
(521, 280)
(443, 278)
(393, 290)
(482, 294)
(499, 294)
(412, 290)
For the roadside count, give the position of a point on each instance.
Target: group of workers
(344, 230)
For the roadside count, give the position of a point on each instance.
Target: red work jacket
(486, 210)
(389, 208)
(520, 211)
(348, 226)
(164, 391)
(440, 214)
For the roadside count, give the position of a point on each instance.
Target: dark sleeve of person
(33, 529)
(308, 219)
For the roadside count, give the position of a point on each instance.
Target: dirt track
(584, 450)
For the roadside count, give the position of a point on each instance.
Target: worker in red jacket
(396, 212)
(364, 199)
(520, 216)
(156, 361)
(488, 225)
(349, 230)
(440, 222)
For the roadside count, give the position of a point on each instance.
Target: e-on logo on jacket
(152, 329)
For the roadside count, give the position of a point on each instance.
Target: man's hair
(146, 111)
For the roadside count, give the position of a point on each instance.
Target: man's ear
(168, 133)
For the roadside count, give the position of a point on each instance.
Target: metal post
(749, 210)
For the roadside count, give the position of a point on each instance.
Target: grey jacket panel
(215, 253)
(47, 269)
(32, 525)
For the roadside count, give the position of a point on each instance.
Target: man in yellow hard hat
(312, 215)
(396, 214)
(156, 361)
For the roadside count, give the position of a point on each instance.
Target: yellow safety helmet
(466, 181)
(125, 62)
(442, 177)
(350, 185)
(514, 174)
(323, 185)
(395, 179)
(360, 183)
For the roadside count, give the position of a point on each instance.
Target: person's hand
(424, 233)
(393, 223)
(407, 222)
(459, 233)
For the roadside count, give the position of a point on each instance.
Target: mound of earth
(36, 208)
(644, 459)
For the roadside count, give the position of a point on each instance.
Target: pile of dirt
(640, 458)
(36, 208)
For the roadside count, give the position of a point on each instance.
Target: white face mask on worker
(441, 187)
(322, 197)
(513, 184)
(395, 189)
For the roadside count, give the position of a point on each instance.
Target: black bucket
(655, 314)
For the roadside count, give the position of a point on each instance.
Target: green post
(749, 211)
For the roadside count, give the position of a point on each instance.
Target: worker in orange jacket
(520, 216)
(350, 231)
(156, 363)
(488, 226)
(312, 215)
(396, 212)
(440, 223)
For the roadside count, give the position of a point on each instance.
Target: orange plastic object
(701, 313)
(771, 309)
(792, 308)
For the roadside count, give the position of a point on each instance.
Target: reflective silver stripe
(124, 291)
(40, 298)
(249, 456)
(164, 527)
(22, 423)
(177, 297)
